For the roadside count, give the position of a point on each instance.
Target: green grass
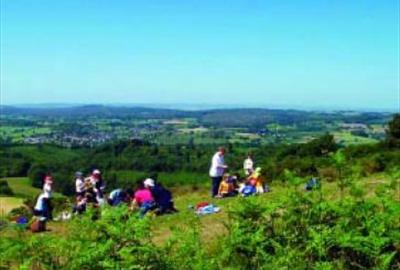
(212, 225)
(21, 186)
(9, 203)
(18, 134)
(183, 179)
(346, 138)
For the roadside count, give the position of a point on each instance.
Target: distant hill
(245, 117)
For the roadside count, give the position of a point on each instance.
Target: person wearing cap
(217, 170)
(143, 197)
(162, 197)
(79, 184)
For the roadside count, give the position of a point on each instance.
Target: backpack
(248, 190)
(38, 226)
(313, 183)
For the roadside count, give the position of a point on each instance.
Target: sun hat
(96, 171)
(149, 182)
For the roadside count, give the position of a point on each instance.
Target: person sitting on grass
(118, 196)
(97, 185)
(80, 205)
(162, 197)
(248, 188)
(143, 199)
(257, 178)
(226, 188)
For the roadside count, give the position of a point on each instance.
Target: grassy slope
(9, 203)
(214, 225)
(21, 186)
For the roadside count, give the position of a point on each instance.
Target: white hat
(96, 171)
(149, 182)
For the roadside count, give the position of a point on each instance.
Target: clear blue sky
(297, 53)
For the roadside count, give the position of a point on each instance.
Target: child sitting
(226, 188)
(257, 179)
(248, 188)
(80, 205)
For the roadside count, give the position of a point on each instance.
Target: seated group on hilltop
(232, 185)
(148, 196)
(226, 185)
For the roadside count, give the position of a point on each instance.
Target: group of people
(149, 195)
(225, 185)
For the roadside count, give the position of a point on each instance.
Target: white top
(114, 193)
(248, 164)
(39, 206)
(217, 165)
(79, 185)
(47, 190)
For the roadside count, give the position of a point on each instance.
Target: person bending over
(143, 199)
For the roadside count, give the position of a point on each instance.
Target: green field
(9, 203)
(21, 186)
(18, 134)
(346, 138)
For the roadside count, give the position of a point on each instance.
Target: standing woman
(217, 170)
(248, 165)
(47, 195)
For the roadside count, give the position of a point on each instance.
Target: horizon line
(201, 106)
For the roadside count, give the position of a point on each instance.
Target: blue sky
(332, 54)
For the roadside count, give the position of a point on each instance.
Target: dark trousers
(48, 213)
(215, 185)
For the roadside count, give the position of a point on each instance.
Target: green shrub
(5, 188)
(308, 232)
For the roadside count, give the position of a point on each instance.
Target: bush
(5, 188)
(118, 240)
(373, 164)
(308, 232)
(328, 173)
(20, 211)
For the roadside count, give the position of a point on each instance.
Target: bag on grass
(38, 225)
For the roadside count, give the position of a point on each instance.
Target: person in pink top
(143, 198)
